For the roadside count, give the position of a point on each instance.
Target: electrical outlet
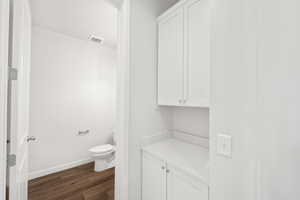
(224, 145)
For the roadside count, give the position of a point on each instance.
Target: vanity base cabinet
(180, 186)
(161, 181)
(153, 178)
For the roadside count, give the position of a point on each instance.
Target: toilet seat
(102, 149)
(103, 156)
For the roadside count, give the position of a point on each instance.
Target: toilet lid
(102, 148)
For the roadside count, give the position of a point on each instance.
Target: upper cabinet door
(170, 58)
(153, 178)
(197, 53)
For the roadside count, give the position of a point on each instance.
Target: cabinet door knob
(168, 171)
(163, 167)
(180, 101)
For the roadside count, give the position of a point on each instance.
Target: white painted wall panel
(233, 103)
(278, 99)
(255, 79)
(194, 121)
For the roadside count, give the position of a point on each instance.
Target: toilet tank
(114, 136)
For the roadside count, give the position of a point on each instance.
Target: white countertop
(192, 159)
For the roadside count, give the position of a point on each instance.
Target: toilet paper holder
(82, 133)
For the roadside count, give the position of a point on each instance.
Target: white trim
(45, 172)
(191, 138)
(155, 138)
(171, 10)
(4, 29)
(179, 135)
(123, 104)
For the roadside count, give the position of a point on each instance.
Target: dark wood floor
(79, 183)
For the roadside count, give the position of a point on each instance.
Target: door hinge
(13, 74)
(11, 160)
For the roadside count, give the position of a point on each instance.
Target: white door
(18, 98)
(4, 27)
(153, 178)
(170, 59)
(180, 186)
(197, 58)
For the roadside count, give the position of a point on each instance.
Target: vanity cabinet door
(153, 178)
(170, 59)
(181, 186)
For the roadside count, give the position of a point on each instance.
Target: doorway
(41, 57)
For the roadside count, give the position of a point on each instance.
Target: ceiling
(77, 18)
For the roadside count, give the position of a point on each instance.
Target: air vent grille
(96, 39)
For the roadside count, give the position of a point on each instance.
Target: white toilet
(104, 156)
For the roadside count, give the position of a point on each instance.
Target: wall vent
(96, 39)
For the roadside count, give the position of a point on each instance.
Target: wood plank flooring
(79, 183)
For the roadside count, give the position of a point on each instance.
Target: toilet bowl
(104, 156)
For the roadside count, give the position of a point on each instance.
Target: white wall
(278, 82)
(96, 17)
(233, 102)
(145, 117)
(192, 121)
(255, 98)
(72, 89)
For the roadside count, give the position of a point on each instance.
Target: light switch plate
(224, 145)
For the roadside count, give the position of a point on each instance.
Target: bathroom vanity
(172, 169)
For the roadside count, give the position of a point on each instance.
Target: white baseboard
(45, 172)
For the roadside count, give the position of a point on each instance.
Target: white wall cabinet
(161, 181)
(183, 55)
(170, 70)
